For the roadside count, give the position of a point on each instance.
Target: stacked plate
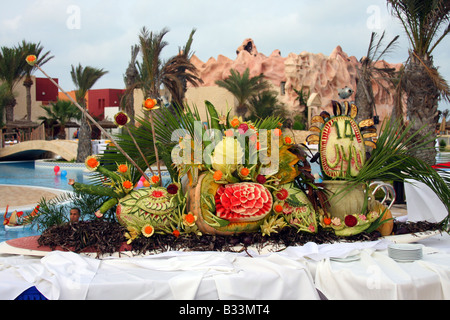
(405, 252)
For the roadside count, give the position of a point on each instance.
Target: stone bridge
(32, 150)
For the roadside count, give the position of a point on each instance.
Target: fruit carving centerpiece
(232, 176)
(246, 183)
(344, 147)
(244, 180)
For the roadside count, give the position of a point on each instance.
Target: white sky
(100, 33)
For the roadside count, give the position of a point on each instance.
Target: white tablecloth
(422, 203)
(173, 275)
(377, 276)
(294, 273)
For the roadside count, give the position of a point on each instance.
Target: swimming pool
(29, 173)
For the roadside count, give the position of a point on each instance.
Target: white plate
(405, 252)
(355, 257)
(405, 246)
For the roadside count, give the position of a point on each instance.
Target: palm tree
(84, 79)
(444, 115)
(426, 24)
(173, 74)
(29, 48)
(131, 82)
(12, 64)
(243, 88)
(60, 113)
(369, 71)
(264, 105)
(181, 67)
(3, 101)
(149, 69)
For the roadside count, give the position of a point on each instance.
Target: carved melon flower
(261, 179)
(243, 202)
(228, 153)
(288, 140)
(282, 194)
(123, 168)
(155, 180)
(235, 122)
(92, 163)
(127, 185)
(218, 175)
(150, 104)
(223, 119)
(277, 132)
(131, 234)
(31, 60)
(121, 119)
(244, 173)
(148, 230)
(278, 207)
(176, 233)
(336, 221)
(243, 128)
(272, 225)
(189, 219)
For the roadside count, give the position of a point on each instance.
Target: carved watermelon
(243, 202)
(297, 210)
(229, 209)
(341, 147)
(146, 206)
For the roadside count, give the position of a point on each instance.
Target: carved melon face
(342, 149)
(342, 146)
(146, 206)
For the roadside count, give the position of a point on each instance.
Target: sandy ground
(19, 197)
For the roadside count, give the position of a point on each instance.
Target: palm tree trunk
(241, 110)
(129, 100)
(27, 84)
(62, 132)
(422, 105)
(364, 97)
(9, 110)
(84, 140)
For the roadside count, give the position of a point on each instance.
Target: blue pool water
(27, 173)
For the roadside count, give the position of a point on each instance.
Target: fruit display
(344, 146)
(230, 176)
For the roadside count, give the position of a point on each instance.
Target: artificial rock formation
(315, 72)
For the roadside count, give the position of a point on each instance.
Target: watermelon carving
(243, 202)
(342, 146)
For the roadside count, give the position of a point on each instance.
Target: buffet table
(377, 276)
(340, 271)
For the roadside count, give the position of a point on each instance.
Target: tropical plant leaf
(392, 160)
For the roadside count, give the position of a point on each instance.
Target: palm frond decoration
(393, 160)
(169, 127)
